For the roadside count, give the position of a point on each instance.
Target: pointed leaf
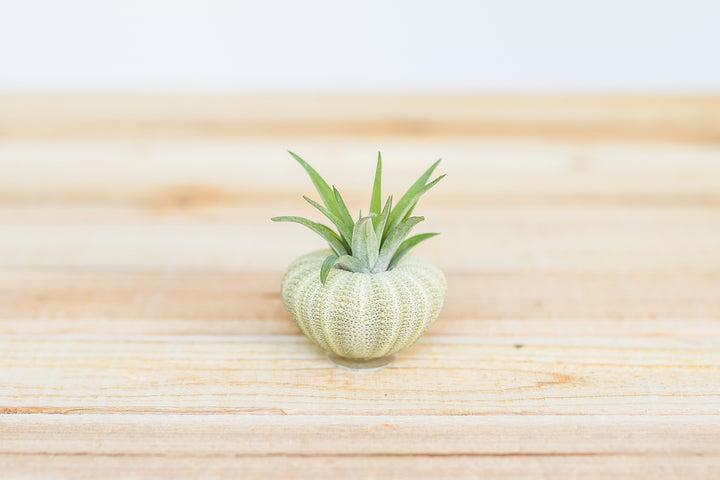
(326, 194)
(382, 220)
(344, 229)
(400, 211)
(410, 211)
(331, 237)
(326, 266)
(342, 210)
(365, 244)
(346, 262)
(393, 241)
(351, 264)
(418, 185)
(376, 198)
(407, 245)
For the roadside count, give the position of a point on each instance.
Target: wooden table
(142, 332)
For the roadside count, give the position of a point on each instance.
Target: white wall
(317, 45)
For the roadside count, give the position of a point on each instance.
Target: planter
(363, 319)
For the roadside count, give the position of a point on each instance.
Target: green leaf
(343, 211)
(346, 262)
(351, 264)
(382, 220)
(365, 244)
(326, 194)
(326, 266)
(407, 245)
(393, 240)
(343, 228)
(410, 211)
(331, 237)
(407, 204)
(417, 186)
(376, 198)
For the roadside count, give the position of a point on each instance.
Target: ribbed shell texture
(363, 315)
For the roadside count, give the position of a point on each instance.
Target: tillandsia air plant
(365, 298)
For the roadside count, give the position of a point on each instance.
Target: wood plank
(513, 467)
(211, 435)
(421, 467)
(663, 303)
(519, 237)
(507, 446)
(439, 375)
(572, 239)
(679, 118)
(168, 174)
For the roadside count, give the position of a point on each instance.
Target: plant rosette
(365, 298)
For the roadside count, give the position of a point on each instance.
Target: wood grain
(512, 466)
(688, 118)
(441, 375)
(505, 446)
(186, 446)
(142, 333)
(210, 302)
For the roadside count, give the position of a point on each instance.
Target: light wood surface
(142, 333)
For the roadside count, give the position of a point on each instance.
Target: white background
(324, 45)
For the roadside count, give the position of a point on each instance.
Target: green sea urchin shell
(363, 315)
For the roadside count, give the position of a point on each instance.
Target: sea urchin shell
(363, 315)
